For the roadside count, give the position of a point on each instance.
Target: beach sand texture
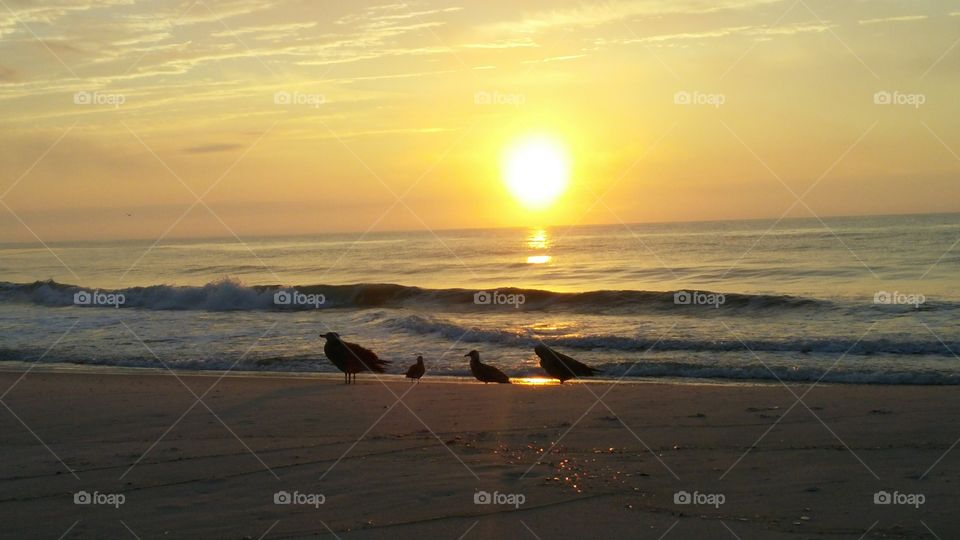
(412, 468)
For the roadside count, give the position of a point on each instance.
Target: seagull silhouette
(561, 366)
(417, 370)
(485, 373)
(351, 358)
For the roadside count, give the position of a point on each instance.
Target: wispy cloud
(900, 18)
(592, 15)
(555, 59)
(268, 30)
(752, 31)
(211, 148)
(523, 42)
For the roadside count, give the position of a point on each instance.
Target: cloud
(22, 16)
(593, 15)
(524, 42)
(900, 18)
(8, 74)
(753, 31)
(372, 16)
(554, 59)
(140, 39)
(211, 148)
(270, 29)
(218, 12)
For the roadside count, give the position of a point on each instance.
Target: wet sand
(413, 468)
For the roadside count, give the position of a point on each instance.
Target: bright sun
(536, 171)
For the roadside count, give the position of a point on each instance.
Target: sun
(536, 171)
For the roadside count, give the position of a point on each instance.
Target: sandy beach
(354, 462)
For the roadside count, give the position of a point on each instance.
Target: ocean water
(847, 300)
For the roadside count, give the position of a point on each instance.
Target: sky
(147, 119)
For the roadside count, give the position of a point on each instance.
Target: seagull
(351, 358)
(561, 366)
(417, 370)
(485, 373)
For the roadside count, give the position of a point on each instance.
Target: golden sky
(308, 116)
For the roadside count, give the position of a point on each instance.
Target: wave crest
(227, 295)
(419, 324)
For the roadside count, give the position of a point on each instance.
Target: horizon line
(458, 229)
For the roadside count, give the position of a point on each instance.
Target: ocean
(844, 300)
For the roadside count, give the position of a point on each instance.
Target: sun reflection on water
(537, 239)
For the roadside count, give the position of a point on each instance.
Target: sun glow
(536, 171)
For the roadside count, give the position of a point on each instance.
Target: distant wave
(429, 325)
(230, 295)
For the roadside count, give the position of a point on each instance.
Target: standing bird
(485, 373)
(351, 358)
(417, 370)
(561, 366)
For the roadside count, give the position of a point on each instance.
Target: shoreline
(10, 366)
